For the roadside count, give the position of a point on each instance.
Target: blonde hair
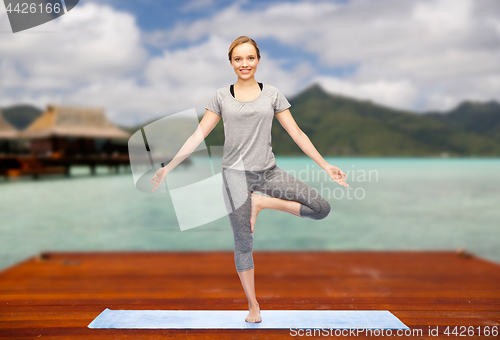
(241, 40)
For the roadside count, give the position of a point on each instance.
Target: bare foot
(254, 315)
(256, 207)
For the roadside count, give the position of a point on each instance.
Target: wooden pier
(57, 295)
(18, 166)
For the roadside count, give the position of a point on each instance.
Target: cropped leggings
(237, 188)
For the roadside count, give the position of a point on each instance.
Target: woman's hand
(159, 177)
(336, 174)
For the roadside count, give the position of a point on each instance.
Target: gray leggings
(237, 188)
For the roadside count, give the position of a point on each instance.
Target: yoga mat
(235, 319)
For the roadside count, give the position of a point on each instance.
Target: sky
(146, 59)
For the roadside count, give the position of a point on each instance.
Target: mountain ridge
(341, 125)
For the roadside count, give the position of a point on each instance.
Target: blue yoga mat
(235, 319)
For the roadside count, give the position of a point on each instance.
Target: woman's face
(244, 60)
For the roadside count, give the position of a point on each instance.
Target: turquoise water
(392, 203)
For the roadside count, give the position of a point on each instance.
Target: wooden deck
(56, 295)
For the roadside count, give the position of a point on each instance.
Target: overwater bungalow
(61, 137)
(74, 131)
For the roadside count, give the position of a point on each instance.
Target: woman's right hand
(159, 177)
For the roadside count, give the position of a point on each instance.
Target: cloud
(91, 43)
(420, 45)
(394, 94)
(186, 78)
(417, 55)
(206, 65)
(100, 61)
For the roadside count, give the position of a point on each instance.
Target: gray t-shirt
(247, 127)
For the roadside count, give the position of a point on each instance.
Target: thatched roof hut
(7, 131)
(70, 121)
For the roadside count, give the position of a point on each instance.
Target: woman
(248, 163)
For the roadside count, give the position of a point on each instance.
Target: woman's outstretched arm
(286, 120)
(207, 124)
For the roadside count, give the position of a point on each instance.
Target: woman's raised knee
(324, 209)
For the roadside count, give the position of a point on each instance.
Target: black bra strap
(231, 88)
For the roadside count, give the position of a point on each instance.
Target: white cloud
(186, 78)
(99, 61)
(90, 43)
(204, 63)
(394, 94)
(442, 17)
(420, 45)
(207, 66)
(430, 53)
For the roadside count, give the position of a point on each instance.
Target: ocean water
(391, 204)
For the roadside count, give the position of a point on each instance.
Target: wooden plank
(57, 295)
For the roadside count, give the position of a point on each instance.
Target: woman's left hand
(336, 174)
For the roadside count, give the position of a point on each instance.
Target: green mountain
(339, 125)
(475, 117)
